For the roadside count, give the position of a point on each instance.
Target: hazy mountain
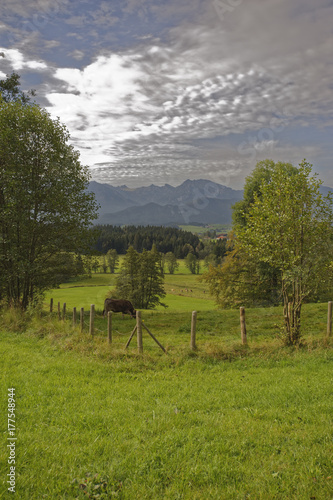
(186, 192)
(111, 199)
(198, 201)
(215, 212)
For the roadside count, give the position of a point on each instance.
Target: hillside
(199, 201)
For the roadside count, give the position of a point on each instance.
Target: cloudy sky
(159, 91)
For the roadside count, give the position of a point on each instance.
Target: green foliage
(262, 173)
(10, 90)
(241, 280)
(214, 252)
(245, 277)
(112, 259)
(141, 278)
(235, 278)
(289, 226)
(171, 262)
(166, 239)
(45, 209)
(192, 263)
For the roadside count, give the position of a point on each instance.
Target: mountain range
(193, 202)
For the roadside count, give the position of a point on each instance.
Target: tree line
(166, 239)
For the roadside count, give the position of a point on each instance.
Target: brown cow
(119, 305)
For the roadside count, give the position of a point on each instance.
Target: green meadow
(227, 421)
(184, 291)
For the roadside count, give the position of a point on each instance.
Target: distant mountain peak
(198, 200)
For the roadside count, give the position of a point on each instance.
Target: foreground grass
(226, 422)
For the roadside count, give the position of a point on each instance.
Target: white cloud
(211, 94)
(17, 61)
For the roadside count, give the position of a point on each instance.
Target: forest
(166, 239)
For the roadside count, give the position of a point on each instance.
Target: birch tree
(290, 227)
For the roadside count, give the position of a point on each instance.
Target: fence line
(140, 324)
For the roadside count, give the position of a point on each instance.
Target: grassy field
(227, 421)
(184, 291)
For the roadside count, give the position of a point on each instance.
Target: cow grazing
(119, 305)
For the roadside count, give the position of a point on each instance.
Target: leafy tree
(141, 278)
(214, 252)
(209, 260)
(289, 226)
(127, 282)
(240, 280)
(10, 90)
(262, 173)
(104, 264)
(45, 209)
(112, 259)
(192, 263)
(171, 262)
(151, 279)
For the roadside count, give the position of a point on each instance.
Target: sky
(158, 92)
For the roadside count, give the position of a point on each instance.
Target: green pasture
(217, 331)
(92, 424)
(85, 296)
(227, 421)
(184, 292)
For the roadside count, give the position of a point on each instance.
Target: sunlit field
(185, 291)
(226, 421)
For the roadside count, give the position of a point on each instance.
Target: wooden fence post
(51, 305)
(153, 337)
(92, 317)
(81, 319)
(74, 317)
(131, 336)
(59, 311)
(329, 319)
(110, 327)
(243, 325)
(193, 330)
(64, 311)
(139, 331)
